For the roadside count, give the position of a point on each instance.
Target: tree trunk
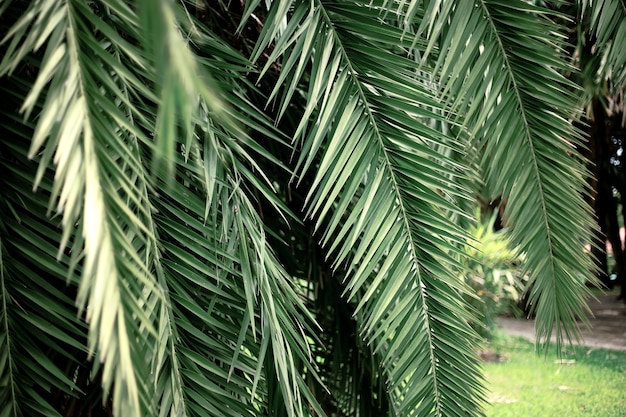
(612, 229)
(600, 187)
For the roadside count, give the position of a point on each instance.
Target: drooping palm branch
(512, 58)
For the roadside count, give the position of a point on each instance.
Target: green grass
(585, 382)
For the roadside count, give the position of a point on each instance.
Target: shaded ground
(608, 324)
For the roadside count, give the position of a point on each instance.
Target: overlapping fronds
(41, 339)
(239, 327)
(608, 23)
(84, 127)
(98, 98)
(210, 291)
(146, 273)
(379, 196)
(500, 59)
(88, 127)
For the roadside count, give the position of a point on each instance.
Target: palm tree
(256, 208)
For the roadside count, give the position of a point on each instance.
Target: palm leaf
(511, 59)
(608, 24)
(226, 167)
(136, 307)
(100, 183)
(380, 194)
(41, 338)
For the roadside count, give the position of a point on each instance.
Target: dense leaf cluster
(257, 208)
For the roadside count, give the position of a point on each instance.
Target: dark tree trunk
(598, 248)
(600, 186)
(616, 134)
(607, 181)
(612, 229)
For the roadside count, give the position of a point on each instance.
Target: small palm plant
(494, 271)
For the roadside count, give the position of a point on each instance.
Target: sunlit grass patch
(582, 382)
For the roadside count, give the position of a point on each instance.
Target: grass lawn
(584, 382)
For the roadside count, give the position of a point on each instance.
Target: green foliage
(494, 271)
(256, 208)
(581, 382)
(608, 23)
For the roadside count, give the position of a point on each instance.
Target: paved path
(608, 324)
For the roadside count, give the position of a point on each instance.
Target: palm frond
(131, 293)
(233, 306)
(380, 194)
(42, 340)
(101, 185)
(608, 23)
(501, 58)
(227, 166)
(181, 85)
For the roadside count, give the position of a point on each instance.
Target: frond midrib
(399, 199)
